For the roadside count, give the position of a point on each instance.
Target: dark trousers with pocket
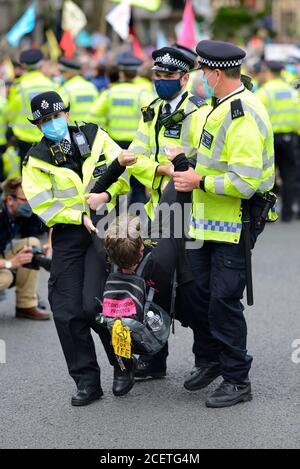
(78, 274)
(285, 159)
(216, 314)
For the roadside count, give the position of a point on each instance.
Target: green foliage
(230, 20)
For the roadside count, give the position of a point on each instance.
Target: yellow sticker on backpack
(121, 340)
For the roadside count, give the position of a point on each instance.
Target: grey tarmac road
(35, 410)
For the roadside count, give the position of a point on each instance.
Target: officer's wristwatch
(8, 265)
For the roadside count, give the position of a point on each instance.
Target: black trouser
(285, 159)
(213, 302)
(77, 276)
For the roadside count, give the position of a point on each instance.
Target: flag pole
(103, 23)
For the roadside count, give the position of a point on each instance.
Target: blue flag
(23, 26)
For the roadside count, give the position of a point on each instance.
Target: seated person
(14, 254)
(127, 251)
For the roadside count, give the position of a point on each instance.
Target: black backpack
(125, 297)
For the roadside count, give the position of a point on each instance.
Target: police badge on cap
(46, 104)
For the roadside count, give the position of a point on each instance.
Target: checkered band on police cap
(219, 54)
(172, 59)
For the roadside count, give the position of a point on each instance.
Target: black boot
(202, 375)
(124, 380)
(229, 394)
(146, 370)
(85, 396)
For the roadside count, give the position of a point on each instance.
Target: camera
(39, 260)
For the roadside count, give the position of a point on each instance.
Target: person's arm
(37, 186)
(163, 258)
(245, 147)
(146, 171)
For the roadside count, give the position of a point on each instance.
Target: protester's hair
(10, 187)
(233, 73)
(130, 74)
(123, 241)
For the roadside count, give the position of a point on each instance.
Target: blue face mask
(167, 89)
(55, 129)
(23, 210)
(209, 91)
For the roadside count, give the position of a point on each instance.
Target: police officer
(76, 90)
(282, 103)
(235, 160)
(171, 76)
(118, 110)
(17, 108)
(57, 175)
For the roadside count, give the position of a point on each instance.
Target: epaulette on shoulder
(198, 101)
(25, 160)
(237, 110)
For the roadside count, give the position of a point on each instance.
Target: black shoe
(202, 376)
(229, 394)
(145, 370)
(124, 380)
(86, 396)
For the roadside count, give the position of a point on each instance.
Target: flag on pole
(151, 5)
(188, 36)
(67, 44)
(53, 46)
(73, 18)
(24, 25)
(119, 19)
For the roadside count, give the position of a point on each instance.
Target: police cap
(129, 62)
(274, 65)
(171, 59)
(186, 51)
(46, 104)
(66, 64)
(31, 56)
(219, 54)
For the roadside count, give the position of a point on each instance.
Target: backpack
(125, 297)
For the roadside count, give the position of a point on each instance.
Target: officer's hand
(23, 257)
(89, 224)
(172, 151)
(95, 201)
(47, 250)
(165, 170)
(186, 181)
(127, 158)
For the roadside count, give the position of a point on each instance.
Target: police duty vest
(57, 194)
(151, 140)
(81, 95)
(118, 110)
(282, 103)
(236, 156)
(17, 108)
